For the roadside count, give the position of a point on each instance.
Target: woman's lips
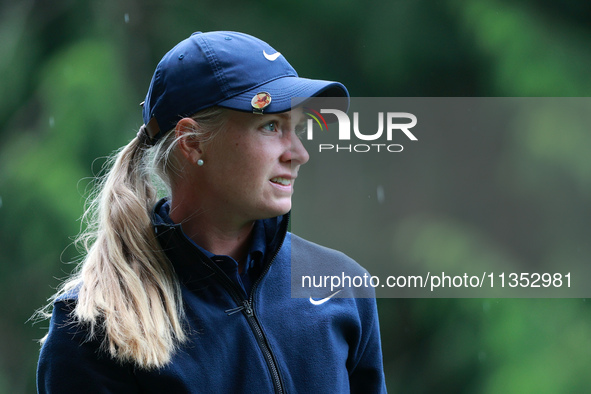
(281, 180)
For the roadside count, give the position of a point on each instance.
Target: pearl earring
(199, 162)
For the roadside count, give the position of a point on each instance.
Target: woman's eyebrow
(292, 117)
(284, 115)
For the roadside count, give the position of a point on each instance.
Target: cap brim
(287, 92)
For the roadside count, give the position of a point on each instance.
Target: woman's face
(251, 165)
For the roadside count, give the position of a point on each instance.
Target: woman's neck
(211, 232)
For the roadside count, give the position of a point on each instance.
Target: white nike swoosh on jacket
(322, 301)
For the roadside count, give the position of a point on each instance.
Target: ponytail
(128, 293)
(127, 282)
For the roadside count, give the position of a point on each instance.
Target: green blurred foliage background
(72, 74)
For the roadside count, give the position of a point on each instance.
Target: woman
(192, 293)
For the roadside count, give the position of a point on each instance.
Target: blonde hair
(128, 293)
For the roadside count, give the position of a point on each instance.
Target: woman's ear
(189, 145)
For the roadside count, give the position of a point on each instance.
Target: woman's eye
(271, 126)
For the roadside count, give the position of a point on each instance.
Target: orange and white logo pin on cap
(260, 101)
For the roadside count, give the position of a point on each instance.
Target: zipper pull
(234, 310)
(247, 307)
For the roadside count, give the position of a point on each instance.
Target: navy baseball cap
(228, 69)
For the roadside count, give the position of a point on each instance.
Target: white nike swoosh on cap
(272, 57)
(322, 301)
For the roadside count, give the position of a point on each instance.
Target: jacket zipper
(249, 311)
(247, 308)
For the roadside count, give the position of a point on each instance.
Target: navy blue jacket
(267, 343)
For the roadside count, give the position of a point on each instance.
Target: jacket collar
(191, 264)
